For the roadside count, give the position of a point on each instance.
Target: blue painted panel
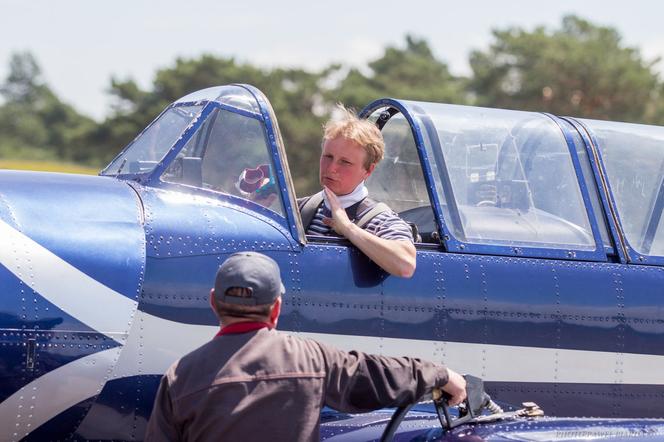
(93, 223)
(188, 238)
(422, 424)
(13, 374)
(181, 295)
(118, 405)
(62, 426)
(417, 304)
(639, 292)
(121, 411)
(25, 315)
(179, 224)
(178, 289)
(333, 289)
(642, 401)
(471, 298)
(21, 308)
(53, 349)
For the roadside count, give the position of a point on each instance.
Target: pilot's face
(342, 165)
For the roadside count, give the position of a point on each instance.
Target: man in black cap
(254, 383)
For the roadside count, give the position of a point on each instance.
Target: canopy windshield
(219, 142)
(500, 177)
(149, 148)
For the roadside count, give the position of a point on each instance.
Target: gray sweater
(267, 385)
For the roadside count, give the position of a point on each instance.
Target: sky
(81, 44)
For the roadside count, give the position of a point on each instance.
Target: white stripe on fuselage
(86, 299)
(155, 343)
(509, 363)
(55, 392)
(152, 345)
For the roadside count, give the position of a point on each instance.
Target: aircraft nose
(72, 254)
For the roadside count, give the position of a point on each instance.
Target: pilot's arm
(397, 257)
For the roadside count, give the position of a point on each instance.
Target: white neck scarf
(348, 200)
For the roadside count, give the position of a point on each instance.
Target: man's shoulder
(387, 214)
(299, 341)
(191, 359)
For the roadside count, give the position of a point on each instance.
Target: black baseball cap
(251, 270)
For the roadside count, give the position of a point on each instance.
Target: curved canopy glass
(501, 177)
(212, 140)
(633, 157)
(146, 151)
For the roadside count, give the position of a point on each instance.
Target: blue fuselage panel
(72, 259)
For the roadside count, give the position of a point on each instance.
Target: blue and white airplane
(540, 266)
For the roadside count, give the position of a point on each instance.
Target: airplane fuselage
(105, 283)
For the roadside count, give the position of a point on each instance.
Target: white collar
(349, 199)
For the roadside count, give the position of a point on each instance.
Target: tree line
(579, 69)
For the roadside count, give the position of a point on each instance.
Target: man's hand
(455, 387)
(339, 222)
(396, 257)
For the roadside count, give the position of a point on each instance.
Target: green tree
(655, 109)
(580, 69)
(24, 83)
(34, 122)
(23, 90)
(411, 72)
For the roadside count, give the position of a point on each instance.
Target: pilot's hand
(264, 200)
(455, 387)
(339, 222)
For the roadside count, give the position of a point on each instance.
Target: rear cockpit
(479, 180)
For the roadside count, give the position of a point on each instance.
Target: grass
(47, 166)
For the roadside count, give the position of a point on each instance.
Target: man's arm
(359, 382)
(397, 257)
(161, 426)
